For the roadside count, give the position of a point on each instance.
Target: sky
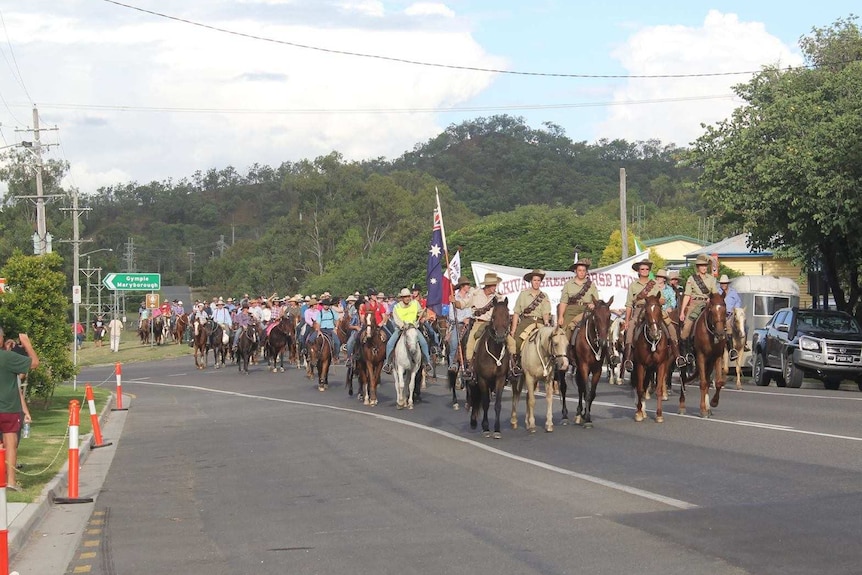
(214, 83)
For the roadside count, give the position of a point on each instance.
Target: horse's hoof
(531, 430)
(366, 402)
(281, 369)
(498, 435)
(706, 414)
(486, 434)
(473, 424)
(659, 419)
(455, 406)
(588, 425)
(514, 425)
(739, 387)
(549, 429)
(639, 417)
(579, 420)
(399, 406)
(350, 393)
(321, 388)
(564, 421)
(409, 406)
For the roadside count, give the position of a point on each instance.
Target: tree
(787, 165)
(613, 252)
(35, 303)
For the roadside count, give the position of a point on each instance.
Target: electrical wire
(420, 63)
(19, 77)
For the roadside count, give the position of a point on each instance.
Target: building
(735, 254)
(673, 249)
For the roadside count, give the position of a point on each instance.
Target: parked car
(796, 343)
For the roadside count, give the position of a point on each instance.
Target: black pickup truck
(808, 342)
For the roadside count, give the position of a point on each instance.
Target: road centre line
(669, 501)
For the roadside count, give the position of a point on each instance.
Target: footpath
(44, 535)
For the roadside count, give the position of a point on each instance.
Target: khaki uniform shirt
(691, 288)
(635, 289)
(525, 299)
(573, 288)
(477, 299)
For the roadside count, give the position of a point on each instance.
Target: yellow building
(673, 249)
(735, 254)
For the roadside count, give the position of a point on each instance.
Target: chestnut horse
(369, 360)
(588, 351)
(320, 354)
(491, 365)
(200, 337)
(279, 340)
(710, 342)
(180, 327)
(651, 357)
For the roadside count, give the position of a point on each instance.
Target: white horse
(737, 341)
(615, 351)
(542, 355)
(407, 360)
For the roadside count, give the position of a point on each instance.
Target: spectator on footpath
(79, 334)
(115, 327)
(11, 365)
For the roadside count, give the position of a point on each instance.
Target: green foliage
(786, 166)
(613, 251)
(35, 304)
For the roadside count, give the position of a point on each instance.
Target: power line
(312, 111)
(17, 76)
(420, 63)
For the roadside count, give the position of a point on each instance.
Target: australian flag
(436, 280)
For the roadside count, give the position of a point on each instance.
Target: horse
(342, 328)
(490, 366)
(144, 331)
(200, 338)
(616, 341)
(543, 355)
(737, 342)
(246, 347)
(180, 327)
(320, 354)
(456, 382)
(279, 339)
(651, 357)
(588, 352)
(217, 341)
(710, 343)
(407, 360)
(158, 330)
(369, 361)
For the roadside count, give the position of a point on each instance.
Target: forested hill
(326, 223)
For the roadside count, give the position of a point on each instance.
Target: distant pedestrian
(115, 328)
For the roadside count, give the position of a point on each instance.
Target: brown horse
(320, 354)
(710, 342)
(278, 341)
(144, 331)
(737, 342)
(180, 327)
(369, 361)
(200, 338)
(491, 365)
(651, 357)
(587, 353)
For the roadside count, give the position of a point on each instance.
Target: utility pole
(624, 232)
(41, 243)
(76, 242)
(191, 255)
(130, 255)
(221, 246)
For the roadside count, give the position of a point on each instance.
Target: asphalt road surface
(218, 473)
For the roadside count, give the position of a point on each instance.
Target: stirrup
(468, 371)
(629, 365)
(614, 360)
(427, 368)
(681, 361)
(733, 355)
(387, 367)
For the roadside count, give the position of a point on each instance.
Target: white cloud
(722, 44)
(364, 7)
(429, 9)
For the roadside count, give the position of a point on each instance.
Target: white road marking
(669, 501)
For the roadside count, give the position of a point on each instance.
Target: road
(217, 473)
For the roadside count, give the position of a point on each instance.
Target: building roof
(732, 247)
(668, 239)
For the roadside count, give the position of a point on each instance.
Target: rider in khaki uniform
(578, 295)
(532, 310)
(638, 291)
(481, 301)
(697, 291)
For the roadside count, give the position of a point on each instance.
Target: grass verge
(131, 351)
(47, 448)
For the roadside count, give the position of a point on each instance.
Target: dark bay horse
(588, 351)
(200, 337)
(216, 342)
(320, 354)
(279, 340)
(491, 365)
(651, 357)
(369, 360)
(180, 327)
(158, 330)
(710, 342)
(246, 347)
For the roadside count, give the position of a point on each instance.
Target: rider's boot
(468, 369)
(515, 366)
(688, 351)
(732, 354)
(674, 349)
(387, 366)
(628, 364)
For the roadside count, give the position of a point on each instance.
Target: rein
(652, 343)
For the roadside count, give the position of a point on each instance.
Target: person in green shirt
(11, 365)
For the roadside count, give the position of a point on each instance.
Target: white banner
(611, 281)
(455, 268)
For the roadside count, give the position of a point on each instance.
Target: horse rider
(667, 291)
(354, 326)
(673, 282)
(698, 288)
(459, 320)
(425, 322)
(324, 320)
(732, 301)
(241, 321)
(199, 319)
(221, 316)
(143, 313)
(481, 301)
(579, 294)
(375, 306)
(638, 291)
(532, 310)
(406, 311)
(308, 318)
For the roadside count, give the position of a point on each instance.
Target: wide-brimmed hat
(326, 301)
(245, 304)
(462, 281)
(312, 300)
(702, 260)
(661, 273)
(404, 293)
(585, 263)
(352, 297)
(491, 279)
(220, 302)
(381, 294)
(636, 265)
(673, 275)
(724, 279)
(529, 276)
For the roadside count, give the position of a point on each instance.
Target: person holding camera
(11, 365)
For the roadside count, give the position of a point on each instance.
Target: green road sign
(133, 282)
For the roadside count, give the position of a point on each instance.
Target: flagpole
(454, 326)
